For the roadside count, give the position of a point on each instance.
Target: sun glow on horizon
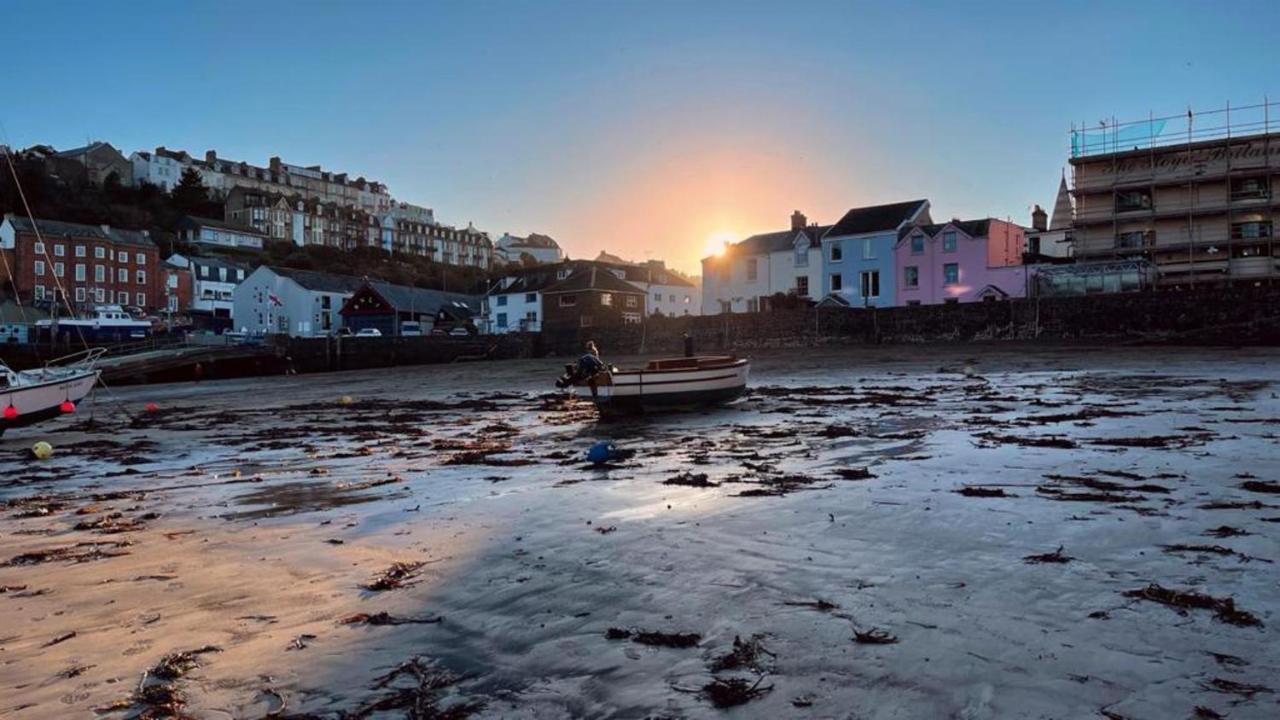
(717, 241)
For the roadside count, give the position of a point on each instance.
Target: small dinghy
(31, 396)
(671, 382)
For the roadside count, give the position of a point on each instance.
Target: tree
(190, 195)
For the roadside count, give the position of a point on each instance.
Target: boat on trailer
(31, 396)
(664, 383)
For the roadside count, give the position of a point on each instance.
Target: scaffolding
(1191, 153)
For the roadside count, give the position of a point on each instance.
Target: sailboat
(31, 396)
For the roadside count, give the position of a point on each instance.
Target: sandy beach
(871, 533)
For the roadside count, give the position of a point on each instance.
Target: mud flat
(872, 533)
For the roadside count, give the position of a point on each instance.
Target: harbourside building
(90, 264)
(1193, 194)
(213, 283)
(749, 273)
(97, 160)
(591, 296)
(960, 261)
(284, 301)
(220, 233)
(858, 252)
(386, 308)
(536, 249)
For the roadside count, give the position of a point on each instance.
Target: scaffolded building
(1193, 194)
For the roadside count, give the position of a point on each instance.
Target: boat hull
(43, 400)
(667, 388)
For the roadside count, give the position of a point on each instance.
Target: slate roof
(57, 228)
(594, 278)
(404, 297)
(320, 282)
(780, 241)
(972, 228)
(876, 218)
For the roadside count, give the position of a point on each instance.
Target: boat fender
(601, 452)
(42, 450)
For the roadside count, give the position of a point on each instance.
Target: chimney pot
(798, 220)
(1039, 219)
(210, 156)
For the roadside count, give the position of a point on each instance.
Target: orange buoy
(11, 412)
(67, 406)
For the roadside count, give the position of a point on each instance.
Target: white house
(667, 292)
(748, 273)
(207, 231)
(514, 303)
(213, 283)
(163, 171)
(542, 248)
(275, 300)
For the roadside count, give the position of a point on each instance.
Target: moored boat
(109, 323)
(669, 382)
(31, 396)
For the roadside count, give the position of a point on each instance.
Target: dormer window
(562, 274)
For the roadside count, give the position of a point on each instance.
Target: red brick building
(176, 290)
(590, 296)
(90, 263)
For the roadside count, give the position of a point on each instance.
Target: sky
(647, 129)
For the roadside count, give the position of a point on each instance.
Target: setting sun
(717, 241)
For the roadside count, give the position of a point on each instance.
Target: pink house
(960, 261)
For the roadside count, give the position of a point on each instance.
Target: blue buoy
(601, 452)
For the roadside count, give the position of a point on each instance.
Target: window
(568, 300)
(802, 287)
(802, 255)
(502, 301)
(606, 299)
(122, 275)
(752, 271)
(59, 250)
(1127, 200)
(725, 306)
(99, 273)
(99, 252)
(326, 302)
(39, 267)
(631, 301)
(562, 273)
(868, 249)
(80, 295)
(1135, 239)
(631, 318)
(38, 292)
(531, 316)
(870, 282)
(80, 272)
(80, 251)
(122, 297)
(39, 248)
(949, 241)
(141, 298)
(1249, 189)
(657, 297)
(1251, 230)
(837, 252)
(502, 320)
(837, 283)
(753, 305)
(951, 274)
(911, 276)
(917, 244)
(99, 295)
(142, 277)
(59, 270)
(531, 297)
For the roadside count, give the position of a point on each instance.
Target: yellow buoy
(42, 450)
(346, 400)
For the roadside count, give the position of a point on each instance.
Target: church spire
(1061, 218)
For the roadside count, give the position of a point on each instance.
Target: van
(411, 328)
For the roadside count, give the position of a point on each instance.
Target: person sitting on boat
(586, 369)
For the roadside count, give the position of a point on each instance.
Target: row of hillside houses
(281, 201)
(586, 293)
(880, 256)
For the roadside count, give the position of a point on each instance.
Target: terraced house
(960, 261)
(858, 253)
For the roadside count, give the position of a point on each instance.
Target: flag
(274, 300)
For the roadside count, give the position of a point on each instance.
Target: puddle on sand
(293, 498)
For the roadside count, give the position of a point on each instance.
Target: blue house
(857, 253)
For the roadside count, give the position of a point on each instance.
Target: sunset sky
(643, 128)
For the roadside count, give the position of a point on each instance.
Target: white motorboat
(685, 381)
(109, 323)
(31, 396)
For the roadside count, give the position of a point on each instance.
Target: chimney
(275, 164)
(1039, 219)
(210, 156)
(798, 220)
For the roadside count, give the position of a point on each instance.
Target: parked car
(343, 332)
(369, 332)
(411, 328)
(459, 332)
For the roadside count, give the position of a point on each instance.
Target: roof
(404, 297)
(57, 228)
(222, 225)
(878, 218)
(652, 275)
(780, 241)
(605, 257)
(972, 228)
(11, 313)
(81, 150)
(1062, 214)
(593, 278)
(216, 263)
(319, 282)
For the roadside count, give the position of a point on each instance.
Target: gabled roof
(404, 297)
(878, 218)
(216, 263)
(57, 228)
(593, 278)
(319, 282)
(82, 149)
(972, 228)
(781, 241)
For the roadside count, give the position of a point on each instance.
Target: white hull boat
(672, 382)
(32, 396)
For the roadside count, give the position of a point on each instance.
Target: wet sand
(1058, 534)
